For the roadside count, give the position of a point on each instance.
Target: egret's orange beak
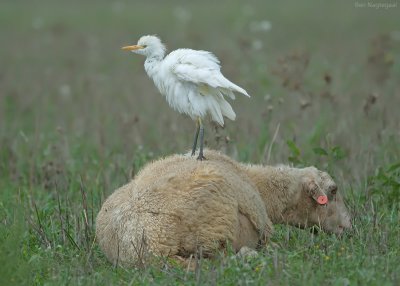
(132, 48)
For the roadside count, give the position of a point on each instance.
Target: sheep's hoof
(246, 252)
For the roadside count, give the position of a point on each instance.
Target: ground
(79, 117)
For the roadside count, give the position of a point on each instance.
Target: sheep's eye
(333, 190)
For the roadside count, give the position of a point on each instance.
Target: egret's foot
(201, 157)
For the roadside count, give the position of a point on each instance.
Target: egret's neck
(152, 64)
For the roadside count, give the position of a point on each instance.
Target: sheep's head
(318, 203)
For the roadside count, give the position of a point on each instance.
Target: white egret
(191, 81)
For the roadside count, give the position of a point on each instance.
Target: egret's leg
(196, 135)
(201, 156)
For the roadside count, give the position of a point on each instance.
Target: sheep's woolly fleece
(177, 204)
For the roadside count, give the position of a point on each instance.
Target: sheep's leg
(196, 135)
(246, 252)
(201, 156)
(188, 263)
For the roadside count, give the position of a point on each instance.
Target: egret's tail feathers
(218, 108)
(227, 110)
(227, 84)
(241, 90)
(215, 111)
(237, 88)
(228, 92)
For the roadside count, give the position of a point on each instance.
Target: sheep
(177, 204)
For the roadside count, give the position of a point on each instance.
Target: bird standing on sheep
(191, 81)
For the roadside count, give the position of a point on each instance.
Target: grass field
(79, 117)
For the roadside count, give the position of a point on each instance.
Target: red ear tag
(322, 200)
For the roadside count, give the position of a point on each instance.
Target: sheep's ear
(315, 191)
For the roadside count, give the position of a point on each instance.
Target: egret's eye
(144, 46)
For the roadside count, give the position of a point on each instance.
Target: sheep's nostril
(346, 225)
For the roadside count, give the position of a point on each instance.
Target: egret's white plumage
(190, 80)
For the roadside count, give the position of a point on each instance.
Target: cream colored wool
(177, 204)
